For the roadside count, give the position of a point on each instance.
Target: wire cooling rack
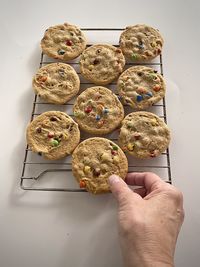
(43, 175)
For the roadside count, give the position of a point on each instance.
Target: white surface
(59, 229)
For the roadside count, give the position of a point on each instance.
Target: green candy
(115, 148)
(79, 114)
(54, 142)
(134, 56)
(61, 52)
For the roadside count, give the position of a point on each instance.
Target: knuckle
(176, 194)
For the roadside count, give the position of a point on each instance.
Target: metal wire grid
(36, 103)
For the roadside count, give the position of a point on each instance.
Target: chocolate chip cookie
(98, 110)
(94, 160)
(141, 42)
(102, 63)
(140, 87)
(56, 83)
(54, 134)
(63, 42)
(144, 135)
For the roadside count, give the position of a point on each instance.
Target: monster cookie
(141, 42)
(56, 83)
(144, 135)
(98, 111)
(54, 134)
(101, 64)
(63, 42)
(94, 160)
(140, 87)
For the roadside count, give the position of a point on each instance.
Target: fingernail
(113, 179)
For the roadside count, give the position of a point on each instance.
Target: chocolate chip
(96, 172)
(71, 127)
(139, 73)
(53, 119)
(39, 130)
(98, 51)
(155, 71)
(96, 61)
(40, 153)
(61, 135)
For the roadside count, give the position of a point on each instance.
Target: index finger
(149, 180)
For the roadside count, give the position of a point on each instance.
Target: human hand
(149, 219)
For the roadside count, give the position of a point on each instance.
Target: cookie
(63, 42)
(54, 134)
(94, 160)
(98, 111)
(141, 42)
(140, 87)
(56, 83)
(101, 63)
(144, 135)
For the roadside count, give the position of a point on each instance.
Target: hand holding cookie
(149, 219)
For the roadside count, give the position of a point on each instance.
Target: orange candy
(82, 184)
(156, 88)
(43, 79)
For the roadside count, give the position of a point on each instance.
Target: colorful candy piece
(69, 43)
(54, 142)
(105, 111)
(79, 114)
(139, 98)
(43, 79)
(114, 152)
(50, 135)
(97, 117)
(130, 146)
(115, 148)
(134, 56)
(156, 88)
(149, 94)
(87, 169)
(82, 184)
(88, 109)
(61, 52)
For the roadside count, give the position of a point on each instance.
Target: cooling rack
(43, 175)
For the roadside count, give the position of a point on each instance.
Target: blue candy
(105, 111)
(98, 117)
(149, 94)
(139, 98)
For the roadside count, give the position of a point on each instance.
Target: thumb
(121, 191)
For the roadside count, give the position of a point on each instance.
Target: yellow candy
(91, 67)
(87, 169)
(154, 123)
(130, 146)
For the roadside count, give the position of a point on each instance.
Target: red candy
(113, 152)
(69, 43)
(88, 109)
(50, 135)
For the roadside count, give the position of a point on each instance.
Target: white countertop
(79, 230)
